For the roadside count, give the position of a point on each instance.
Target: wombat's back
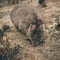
(22, 15)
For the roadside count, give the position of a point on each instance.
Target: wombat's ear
(32, 27)
(42, 27)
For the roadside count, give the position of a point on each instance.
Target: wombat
(25, 19)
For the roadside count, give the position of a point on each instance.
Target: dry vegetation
(13, 44)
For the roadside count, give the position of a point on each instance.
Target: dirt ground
(49, 50)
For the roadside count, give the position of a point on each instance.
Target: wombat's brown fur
(25, 19)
